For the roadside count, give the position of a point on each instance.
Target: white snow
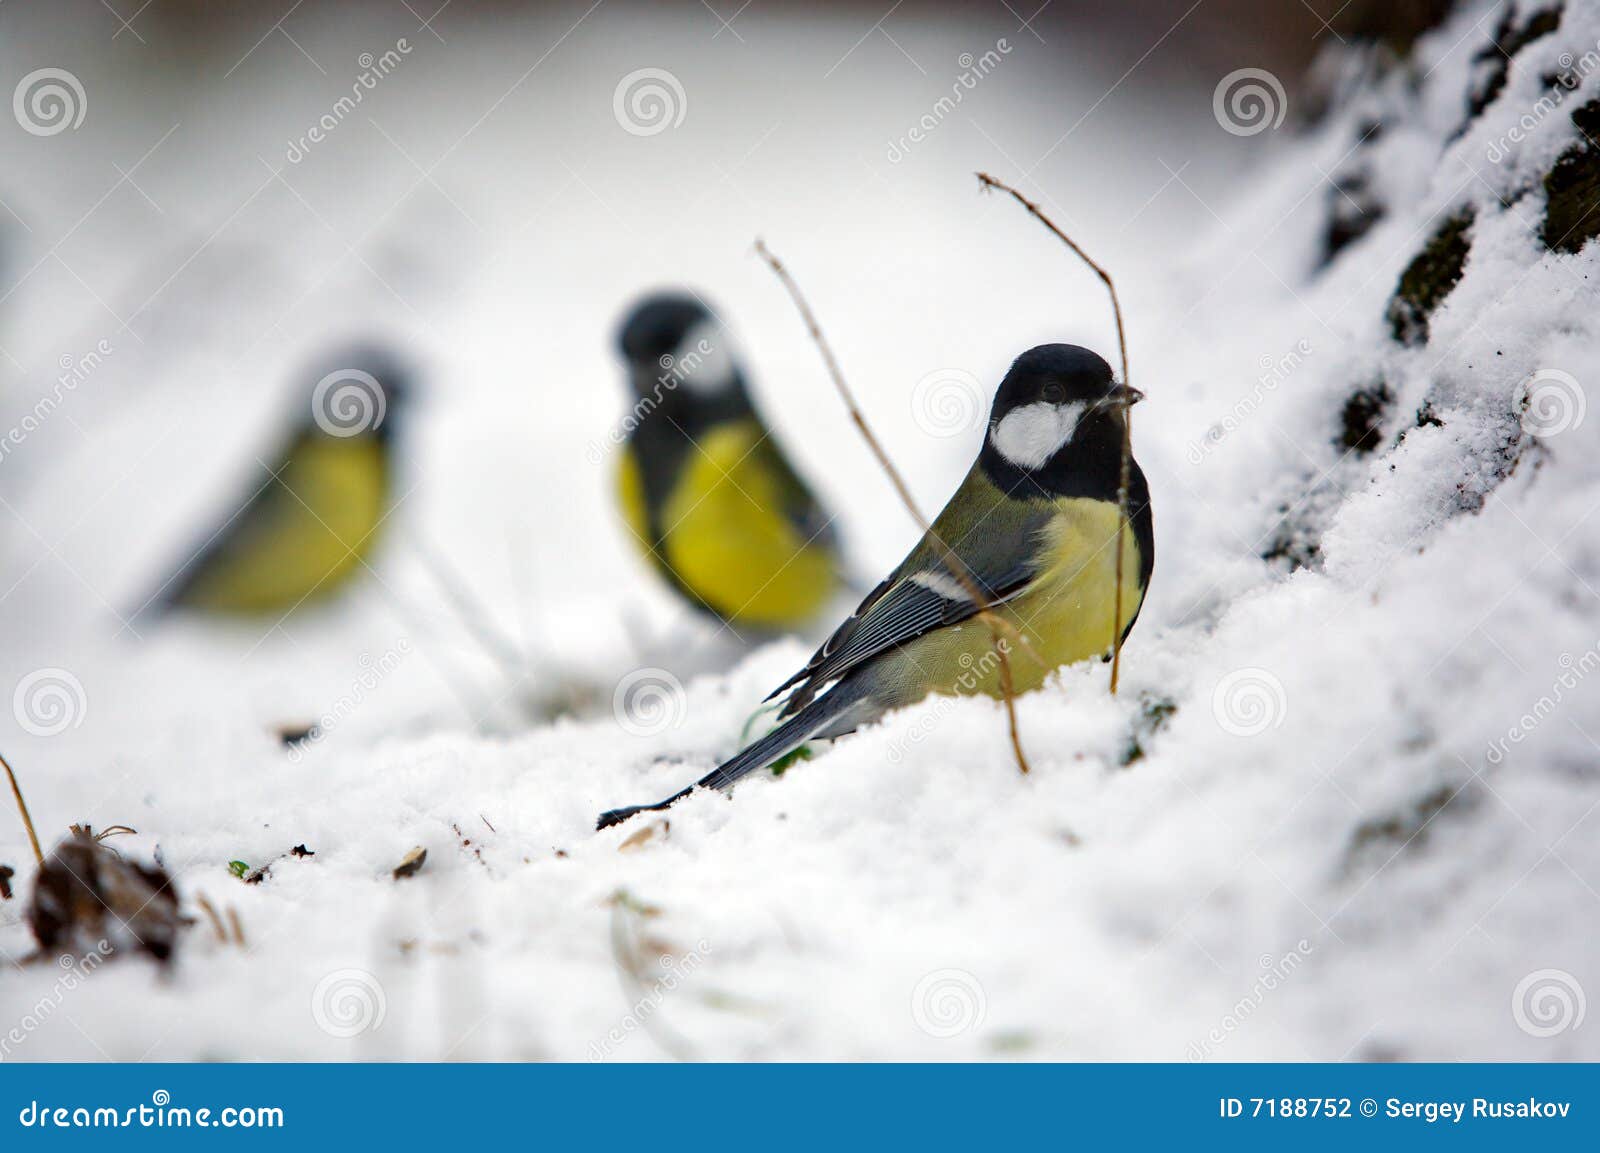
(1367, 828)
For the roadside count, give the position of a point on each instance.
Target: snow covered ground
(1345, 805)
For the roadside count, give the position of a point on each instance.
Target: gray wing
(992, 535)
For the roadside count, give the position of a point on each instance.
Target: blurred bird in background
(309, 522)
(1035, 523)
(709, 496)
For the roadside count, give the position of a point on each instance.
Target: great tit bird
(310, 520)
(709, 496)
(1034, 522)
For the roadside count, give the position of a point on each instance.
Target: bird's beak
(1122, 397)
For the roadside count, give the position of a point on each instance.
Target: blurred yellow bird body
(725, 535)
(302, 534)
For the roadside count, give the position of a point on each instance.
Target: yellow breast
(1066, 615)
(305, 536)
(726, 535)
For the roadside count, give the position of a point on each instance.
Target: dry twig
(22, 807)
(1001, 630)
(471, 612)
(987, 182)
(639, 955)
(210, 911)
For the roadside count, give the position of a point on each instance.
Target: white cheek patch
(704, 360)
(1030, 435)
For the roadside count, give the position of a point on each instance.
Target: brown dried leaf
(412, 864)
(85, 895)
(638, 840)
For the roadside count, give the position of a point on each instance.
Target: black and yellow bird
(313, 517)
(711, 500)
(1035, 524)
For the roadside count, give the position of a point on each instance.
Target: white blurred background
(484, 209)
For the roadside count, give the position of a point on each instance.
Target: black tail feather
(617, 816)
(788, 736)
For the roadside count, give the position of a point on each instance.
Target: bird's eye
(1054, 392)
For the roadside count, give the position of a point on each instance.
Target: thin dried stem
(210, 911)
(1001, 629)
(475, 707)
(637, 976)
(22, 807)
(987, 183)
(470, 611)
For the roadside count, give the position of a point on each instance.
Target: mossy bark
(1572, 187)
(1429, 278)
(1495, 59)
